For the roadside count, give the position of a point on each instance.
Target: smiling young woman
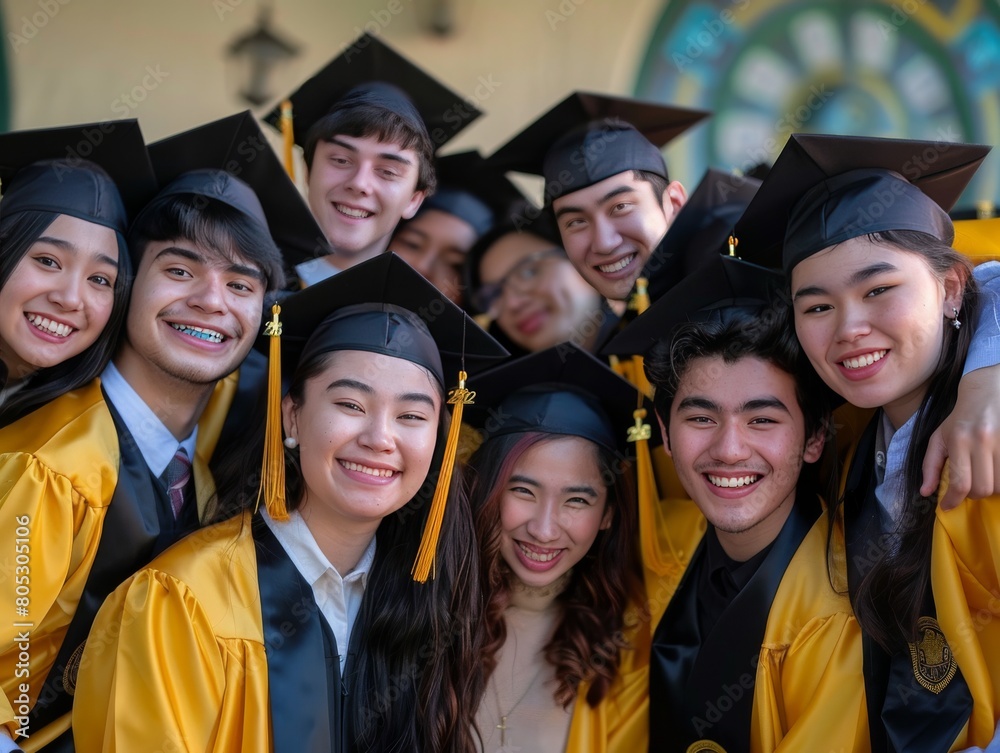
(304, 619)
(555, 521)
(64, 268)
(885, 310)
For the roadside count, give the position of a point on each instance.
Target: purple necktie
(176, 477)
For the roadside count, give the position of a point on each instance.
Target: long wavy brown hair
(586, 642)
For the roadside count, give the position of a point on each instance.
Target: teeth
(356, 213)
(209, 335)
(535, 556)
(380, 472)
(47, 325)
(731, 483)
(866, 360)
(617, 266)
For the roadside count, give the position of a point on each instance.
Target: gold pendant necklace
(502, 717)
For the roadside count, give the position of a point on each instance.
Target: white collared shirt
(338, 598)
(315, 270)
(154, 440)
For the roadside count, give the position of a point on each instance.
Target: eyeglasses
(523, 277)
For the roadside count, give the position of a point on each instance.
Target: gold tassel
(639, 304)
(427, 553)
(272, 472)
(288, 133)
(733, 243)
(649, 525)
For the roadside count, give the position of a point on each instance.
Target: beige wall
(78, 64)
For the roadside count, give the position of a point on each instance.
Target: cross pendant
(503, 730)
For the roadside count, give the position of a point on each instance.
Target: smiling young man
(756, 650)
(605, 180)
(368, 124)
(106, 476)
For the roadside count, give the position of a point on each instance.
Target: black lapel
(304, 705)
(128, 539)
(904, 714)
(246, 408)
(715, 698)
(676, 643)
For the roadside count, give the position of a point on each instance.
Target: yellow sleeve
(49, 532)
(156, 677)
(965, 560)
(620, 722)
(809, 695)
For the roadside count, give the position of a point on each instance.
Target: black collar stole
(701, 686)
(307, 693)
(918, 699)
(131, 533)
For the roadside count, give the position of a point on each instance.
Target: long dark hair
(414, 682)
(586, 642)
(18, 233)
(890, 598)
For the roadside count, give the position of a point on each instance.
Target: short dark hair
(767, 334)
(372, 121)
(659, 183)
(212, 224)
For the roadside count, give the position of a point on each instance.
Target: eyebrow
(756, 404)
(193, 256)
(861, 275)
(381, 155)
(582, 489)
(613, 193)
(66, 245)
(405, 397)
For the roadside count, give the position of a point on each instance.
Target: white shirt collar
(154, 440)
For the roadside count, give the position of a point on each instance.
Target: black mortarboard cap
(473, 190)
(384, 306)
(66, 184)
(236, 145)
(371, 72)
(824, 189)
(588, 137)
(700, 230)
(724, 287)
(562, 390)
(462, 204)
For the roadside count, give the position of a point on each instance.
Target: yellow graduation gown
(965, 581)
(175, 660)
(620, 722)
(965, 562)
(808, 691)
(58, 472)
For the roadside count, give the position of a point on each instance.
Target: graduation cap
(370, 72)
(823, 190)
(563, 390)
(471, 189)
(588, 137)
(236, 145)
(724, 287)
(700, 230)
(65, 181)
(381, 306)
